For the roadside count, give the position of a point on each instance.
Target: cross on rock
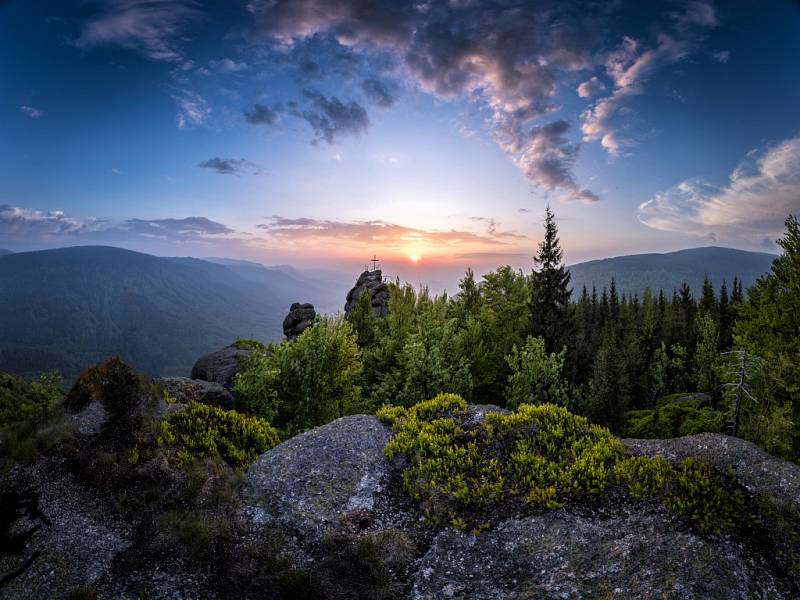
(375, 260)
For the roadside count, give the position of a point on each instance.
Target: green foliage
(768, 325)
(706, 353)
(541, 453)
(30, 418)
(307, 382)
(195, 532)
(247, 344)
(674, 419)
(201, 429)
(536, 377)
(708, 499)
(545, 456)
(112, 383)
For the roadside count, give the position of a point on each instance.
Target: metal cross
(375, 261)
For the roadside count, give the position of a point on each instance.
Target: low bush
(674, 419)
(113, 383)
(201, 429)
(544, 455)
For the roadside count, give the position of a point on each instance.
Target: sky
(433, 134)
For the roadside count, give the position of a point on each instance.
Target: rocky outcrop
(220, 366)
(185, 390)
(370, 282)
(755, 470)
(313, 478)
(561, 555)
(300, 318)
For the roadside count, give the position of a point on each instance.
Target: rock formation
(221, 366)
(370, 282)
(185, 390)
(300, 318)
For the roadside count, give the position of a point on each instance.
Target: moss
(248, 345)
(204, 430)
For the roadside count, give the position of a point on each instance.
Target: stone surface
(561, 555)
(74, 539)
(756, 471)
(186, 390)
(220, 366)
(300, 318)
(370, 282)
(311, 479)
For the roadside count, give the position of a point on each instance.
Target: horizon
(314, 134)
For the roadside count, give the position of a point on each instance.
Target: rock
(370, 282)
(90, 419)
(220, 366)
(560, 555)
(311, 479)
(186, 390)
(756, 471)
(63, 538)
(300, 318)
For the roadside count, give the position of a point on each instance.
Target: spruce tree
(551, 291)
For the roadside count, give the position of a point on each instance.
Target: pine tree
(726, 317)
(551, 291)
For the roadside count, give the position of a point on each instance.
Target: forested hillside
(636, 272)
(63, 309)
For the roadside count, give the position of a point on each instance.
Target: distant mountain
(63, 309)
(3, 252)
(636, 272)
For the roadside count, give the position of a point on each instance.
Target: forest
(662, 365)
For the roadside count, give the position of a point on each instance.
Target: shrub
(111, 382)
(210, 431)
(248, 345)
(307, 382)
(542, 453)
(536, 377)
(545, 456)
(30, 418)
(674, 419)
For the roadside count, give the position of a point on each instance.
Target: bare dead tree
(741, 372)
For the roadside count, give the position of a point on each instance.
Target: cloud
(591, 87)
(506, 56)
(33, 113)
(758, 196)
(193, 110)
(722, 56)
(698, 13)
(189, 228)
(628, 66)
(228, 65)
(378, 92)
(261, 115)
(231, 166)
(151, 27)
(330, 118)
(28, 223)
(380, 234)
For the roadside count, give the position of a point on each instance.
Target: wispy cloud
(33, 113)
(382, 234)
(27, 223)
(151, 27)
(379, 92)
(193, 109)
(231, 166)
(758, 196)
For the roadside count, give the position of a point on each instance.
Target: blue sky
(319, 132)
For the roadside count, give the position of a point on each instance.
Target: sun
(414, 257)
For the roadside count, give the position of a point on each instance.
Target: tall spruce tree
(551, 292)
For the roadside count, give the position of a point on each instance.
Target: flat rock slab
(186, 390)
(311, 479)
(560, 555)
(756, 471)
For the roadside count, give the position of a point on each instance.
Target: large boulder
(185, 390)
(221, 366)
(310, 480)
(370, 282)
(561, 555)
(300, 318)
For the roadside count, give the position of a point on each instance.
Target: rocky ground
(324, 515)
